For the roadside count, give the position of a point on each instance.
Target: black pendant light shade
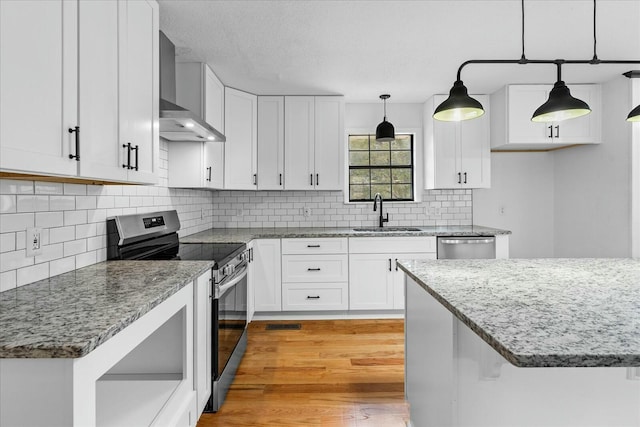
(634, 115)
(385, 130)
(560, 106)
(458, 106)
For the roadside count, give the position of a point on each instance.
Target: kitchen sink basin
(385, 229)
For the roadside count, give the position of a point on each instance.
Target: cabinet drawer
(315, 246)
(376, 245)
(315, 296)
(315, 268)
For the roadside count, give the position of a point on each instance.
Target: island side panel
(429, 357)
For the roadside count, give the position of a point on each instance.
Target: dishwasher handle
(467, 241)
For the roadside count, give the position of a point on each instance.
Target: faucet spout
(382, 219)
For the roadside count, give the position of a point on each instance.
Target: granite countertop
(543, 312)
(245, 235)
(69, 315)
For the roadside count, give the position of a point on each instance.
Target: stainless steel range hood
(177, 123)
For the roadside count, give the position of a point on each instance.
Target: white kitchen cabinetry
(512, 128)
(266, 273)
(90, 66)
(240, 154)
(270, 142)
(374, 281)
(202, 339)
(315, 274)
(200, 91)
(457, 154)
(196, 164)
(314, 130)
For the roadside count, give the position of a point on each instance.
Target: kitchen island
(544, 342)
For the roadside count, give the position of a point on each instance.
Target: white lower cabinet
(265, 272)
(315, 274)
(202, 339)
(375, 283)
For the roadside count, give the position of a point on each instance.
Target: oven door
(229, 318)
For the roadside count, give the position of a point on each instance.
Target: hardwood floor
(333, 373)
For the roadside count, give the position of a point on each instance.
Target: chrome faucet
(375, 207)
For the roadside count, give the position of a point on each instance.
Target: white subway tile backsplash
(62, 203)
(86, 202)
(62, 234)
(86, 258)
(32, 273)
(50, 252)
(21, 240)
(16, 222)
(7, 242)
(75, 217)
(86, 230)
(14, 186)
(75, 247)
(49, 219)
(8, 203)
(8, 280)
(62, 265)
(14, 260)
(48, 187)
(75, 189)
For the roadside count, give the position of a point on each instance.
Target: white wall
(593, 185)
(520, 199)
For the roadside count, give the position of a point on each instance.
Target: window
(380, 167)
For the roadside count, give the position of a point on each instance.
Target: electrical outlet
(306, 212)
(34, 241)
(240, 212)
(501, 210)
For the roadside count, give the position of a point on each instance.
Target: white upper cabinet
(240, 154)
(457, 154)
(38, 83)
(512, 128)
(314, 130)
(270, 142)
(92, 64)
(196, 164)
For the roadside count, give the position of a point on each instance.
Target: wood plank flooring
(330, 373)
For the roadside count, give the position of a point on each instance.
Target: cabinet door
(202, 339)
(186, 165)
(213, 100)
(102, 154)
(267, 275)
(139, 87)
(299, 134)
(474, 149)
(214, 159)
(370, 282)
(523, 101)
(38, 83)
(328, 148)
(446, 150)
(398, 275)
(270, 142)
(240, 153)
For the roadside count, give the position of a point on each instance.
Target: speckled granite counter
(543, 312)
(245, 235)
(69, 315)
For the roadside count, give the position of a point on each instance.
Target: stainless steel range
(154, 236)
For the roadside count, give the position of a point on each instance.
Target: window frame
(413, 166)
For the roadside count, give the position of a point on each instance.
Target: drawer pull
(313, 269)
(313, 246)
(313, 296)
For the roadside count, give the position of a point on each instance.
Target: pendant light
(634, 115)
(560, 105)
(459, 106)
(385, 130)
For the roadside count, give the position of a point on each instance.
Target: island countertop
(543, 312)
(245, 235)
(69, 315)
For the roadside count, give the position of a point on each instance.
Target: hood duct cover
(177, 123)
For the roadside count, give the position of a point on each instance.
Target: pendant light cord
(595, 59)
(523, 58)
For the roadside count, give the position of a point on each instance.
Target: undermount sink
(385, 229)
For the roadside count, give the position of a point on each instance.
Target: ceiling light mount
(564, 106)
(385, 130)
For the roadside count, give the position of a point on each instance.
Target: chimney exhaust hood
(177, 123)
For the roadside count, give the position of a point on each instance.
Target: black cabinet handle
(311, 179)
(465, 177)
(137, 149)
(280, 179)
(76, 130)
(317, 179)
(396, 264)
(255, 179)
(459, 178)
(557, 131)
(389, 264)
(208, 169)
(128, 147)
(313, 269)
(313, 297)
(313, 246)
(550, 127)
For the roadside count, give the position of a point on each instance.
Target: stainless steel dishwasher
(467, 247)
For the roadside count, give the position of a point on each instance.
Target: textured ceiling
(410, 49)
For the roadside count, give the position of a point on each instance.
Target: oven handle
(232, 282)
